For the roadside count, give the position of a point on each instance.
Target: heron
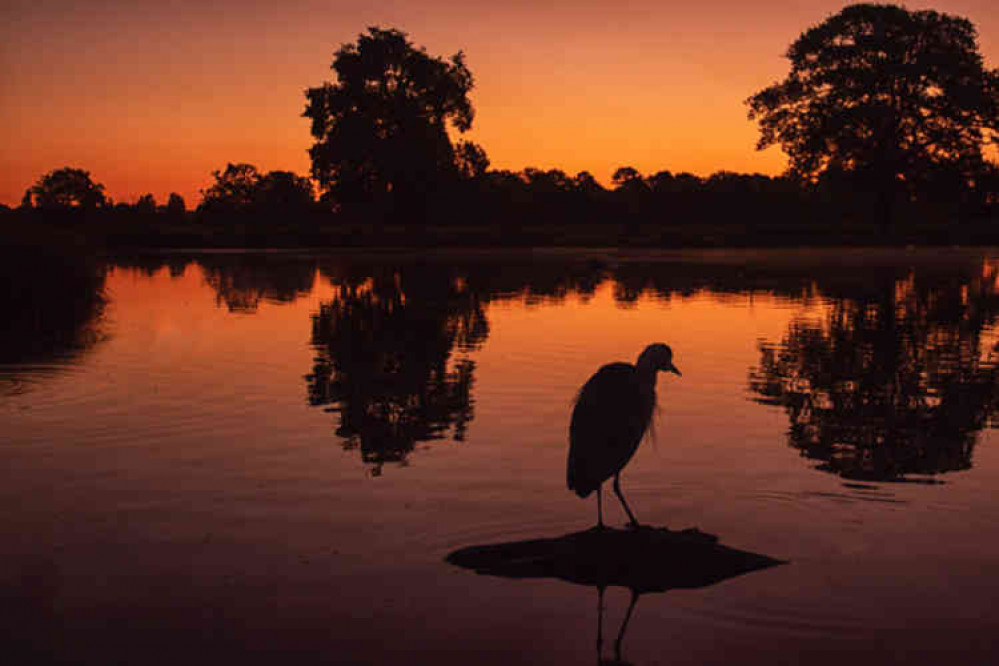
(612, 413)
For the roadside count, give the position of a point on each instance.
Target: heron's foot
(599, 527)
(634, 525)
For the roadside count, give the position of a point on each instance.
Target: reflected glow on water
(278, 452)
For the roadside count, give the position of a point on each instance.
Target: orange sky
(153, 97)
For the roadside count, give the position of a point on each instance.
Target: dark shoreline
(464, 238)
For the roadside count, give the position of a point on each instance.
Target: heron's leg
(600, 621)
(624, 626)
(617, 491)
(600, 511)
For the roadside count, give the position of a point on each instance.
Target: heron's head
(658, 357)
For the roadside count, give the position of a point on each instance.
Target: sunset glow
(153, 97)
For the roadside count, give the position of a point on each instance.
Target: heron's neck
(646, 372)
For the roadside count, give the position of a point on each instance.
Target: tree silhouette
(175, 206)
(888, 385)
(283, 191)
(233, 190)
(585, 183)
(883, 94)
(471, 160)
(241, 188)
(627, 176)
(64, 189)
(661, 182)
(146, 204)
(381, 128)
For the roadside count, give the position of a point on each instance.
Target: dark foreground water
(256, 458)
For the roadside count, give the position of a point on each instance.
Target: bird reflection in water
(644, 560)
(612, 414)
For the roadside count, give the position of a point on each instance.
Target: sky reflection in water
(294, 444)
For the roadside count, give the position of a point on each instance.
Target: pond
(361, 458)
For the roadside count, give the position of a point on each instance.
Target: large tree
(65, 188)
(381, 128)
(883, 94)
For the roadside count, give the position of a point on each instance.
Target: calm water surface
(244, 456)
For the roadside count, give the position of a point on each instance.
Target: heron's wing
(608, 421)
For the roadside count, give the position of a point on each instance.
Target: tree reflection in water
(386, 344)
(894, 381)
(52, 301)
(384, 359)
(241, 281)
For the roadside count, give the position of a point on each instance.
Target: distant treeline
(889, 118)
(244, 207)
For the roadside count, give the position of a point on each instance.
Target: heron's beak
(673, 368)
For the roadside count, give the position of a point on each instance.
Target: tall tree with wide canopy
(889, 95)
(65, 189)
(381, 128)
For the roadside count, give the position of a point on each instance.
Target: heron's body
(611, 416)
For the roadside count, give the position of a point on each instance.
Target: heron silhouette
(612, 413)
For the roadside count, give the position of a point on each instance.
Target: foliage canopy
(894, 95)
(381, 128)
(241, 188)
(66, 188)
(233, 189)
